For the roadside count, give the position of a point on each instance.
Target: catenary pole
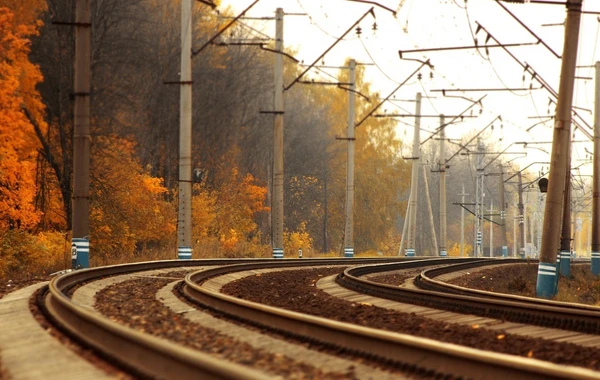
(546, 278)
(521, 218)
(434, 243)
(414, 182)
(404, 230)
(491, 230)
(442, 169)
(278, 178)
(81, 136)
(478, 246)
(515, 237)
(184, 219)
(349, 231)
(595, 233)
(563, 260)
(462, 221)
(531, 229)
(503, 213)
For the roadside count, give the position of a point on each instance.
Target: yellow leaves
(500, 336)
(454, 250)
(230, 240)
(530, 354)
(475, 326)
(226, 213)
(292, 241)
(128, 204)
(153, 185)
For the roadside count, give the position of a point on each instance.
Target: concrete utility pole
(478, 246)
(531, 229)
(349, 231)
(491, 230)
(589, 235)
(442, 169)
(81, 137)
(503, 213)
(434, 243)
(184, 219)
(563, 260)
(277, 199)
(525, 221)
(561, 141)
(414, 183)
(521, 219)
(462, 221)
(515, 237)
(595, 233)
(404, 230)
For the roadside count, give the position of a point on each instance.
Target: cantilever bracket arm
(454, 119)
(209, 3)
(194, 53)
(370, 11)
(391, 93)
(474, 137)
(401, 52)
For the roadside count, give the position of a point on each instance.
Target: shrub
(26, 255)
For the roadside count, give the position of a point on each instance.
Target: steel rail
(140, 353)
(427, 281)
(546, 314)
(405, 350)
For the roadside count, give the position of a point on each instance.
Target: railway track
(150, 356)
(441, 295)
(140, 353)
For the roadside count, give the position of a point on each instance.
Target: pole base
(546, 280)
(349, 252)
(184, 253)
(80, 253)
(443, 253)
(595, 263)
(565, 263)
(504, 251)
(410, 252)
(278, 253)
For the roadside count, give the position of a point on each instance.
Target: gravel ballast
(296, 290)
(134, 304)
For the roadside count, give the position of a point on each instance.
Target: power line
(375, 62)
(313, 22)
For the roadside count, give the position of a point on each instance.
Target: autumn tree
(18, 146)
(128, 206)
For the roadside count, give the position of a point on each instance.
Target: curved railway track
(440, 295)
(150, 356)
(140, 353)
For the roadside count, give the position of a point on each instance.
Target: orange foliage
(128, 208)
(203, 212)
(18, 79)
(227, 213)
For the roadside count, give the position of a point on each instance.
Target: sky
(426, 24)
